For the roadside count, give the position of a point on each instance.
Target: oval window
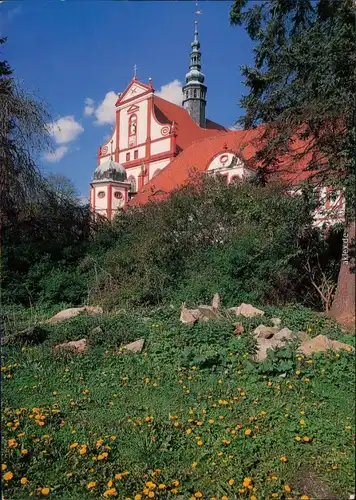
(118, 195)
(101, 194)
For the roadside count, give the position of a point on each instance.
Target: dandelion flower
(3, 466)
(138, 497)
(284, 459)
(247, 432)
(45, 491)
(12, 443)
(287, 488)
(194, 465)
(161, 486)
(8, 476)
(200, 442)
(91, 485)
(24, 480)
(304, 497)
(247, 481)
(175, 483)
(231, 482)
(73, 445)
(188, 431)
(198, 494)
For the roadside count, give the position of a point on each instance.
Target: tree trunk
(343, 306)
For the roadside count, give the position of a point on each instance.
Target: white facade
(229, 165)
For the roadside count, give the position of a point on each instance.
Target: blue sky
(69, 51)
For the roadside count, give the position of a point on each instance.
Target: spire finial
(135, 70)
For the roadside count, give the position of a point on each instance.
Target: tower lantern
(194, 92)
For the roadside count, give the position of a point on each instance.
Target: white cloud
(172, 92)
(65, 129)
(89, 107)
(105, 112)
(57, 154)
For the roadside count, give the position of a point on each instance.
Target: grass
(192, 416)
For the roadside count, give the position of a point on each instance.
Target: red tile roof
(198, 155)
(187, 130)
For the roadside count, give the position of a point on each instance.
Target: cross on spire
(135, 70)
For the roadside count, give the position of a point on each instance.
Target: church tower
(194, 92)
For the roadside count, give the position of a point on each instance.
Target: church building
(156, 145)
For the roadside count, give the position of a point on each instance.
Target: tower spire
(194, 92)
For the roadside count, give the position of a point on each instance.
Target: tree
(23, 135)
(302, 86)
(62, 187)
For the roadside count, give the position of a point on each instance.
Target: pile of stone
(267, 337)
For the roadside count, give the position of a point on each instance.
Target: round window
(118, 195)
(101, 194)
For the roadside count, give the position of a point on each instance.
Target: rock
(265, 332)
(263, 345)
(136, 346)
(215, 303)
(284, 334)
(238, 329)
(302, 336)
(208, 312)
(78, 346)
(321, 344)
(96, 330)
(248, 311)
(188, 317)
(72, 312)
(276, 321)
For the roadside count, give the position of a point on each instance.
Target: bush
(240, 240)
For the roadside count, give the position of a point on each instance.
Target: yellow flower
(91, 485)
(302, 422)
(348, 427)
(110, 483)
(211, 421)
(112, 438)
(8, 476)
(231, 482)
(138, 497)
(175, 483)
(99, 443)
(200, 442)
(297, 372)
(306, 439)
(194, 465)
(188, 431)
(161, 486)
(151, 494)
(198, 494)
(304, 497)
(73, 445)
(83, 450)
(253, 497)
(224, 497)
(118, 476)
(247, 481)
(297, 438)
(284, 459)
(287, 488)
(174, 491)
(274, 495)
(70, 474)
(110, 493)
(24, 480)
(3, 466)
(45, 491)
(247, 432)
(12, 443)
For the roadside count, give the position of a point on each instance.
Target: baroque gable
(134, 90)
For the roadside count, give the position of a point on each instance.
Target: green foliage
(301, 84)
(204, 238)
(200, 379)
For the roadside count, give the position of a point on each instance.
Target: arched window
(195, 93)
(132, 125)
(235, 179)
